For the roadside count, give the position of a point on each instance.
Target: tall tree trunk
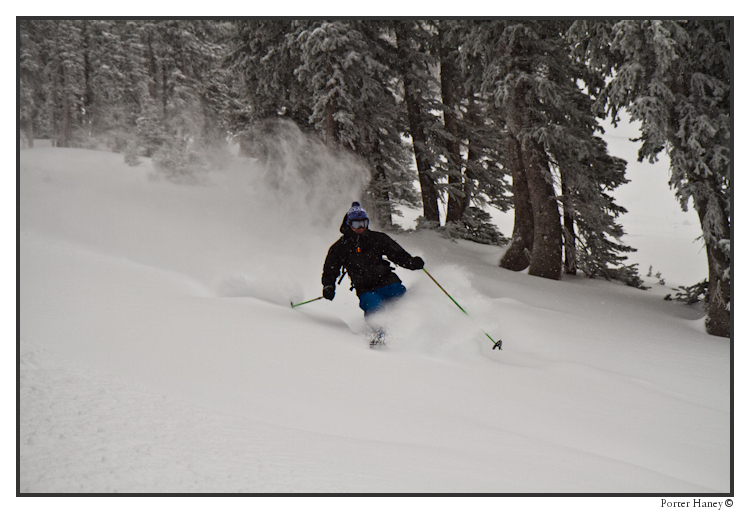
(569, 242)
(718, 321)
(88, 94)
(28, 128)
(63, 137)
(516, 257)
(332, 126)
(165, 94)
(569, 235)
(380, 190)
(153, 69)
(383, 211)
(546, 256)
(456, 191)
(473, 154)
(416, 129)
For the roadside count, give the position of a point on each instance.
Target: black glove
(328, 292)
(416, 264)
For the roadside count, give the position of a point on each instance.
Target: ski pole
(498, 344)
(305, 302)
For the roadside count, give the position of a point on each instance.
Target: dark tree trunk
(332, 126)
(88, 95)
(546, 256)
(569, 242)
(152, 68)
(380, 190)
(516, 257)
(416, 129)
(63, 137)
(28, 128)
(718, 321)
(164, 95)
(448, 90)
(569, 235)
(473, 155)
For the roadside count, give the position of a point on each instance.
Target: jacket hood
(345, 227)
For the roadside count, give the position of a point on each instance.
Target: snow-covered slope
(159, 353)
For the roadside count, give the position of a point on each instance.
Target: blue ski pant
(372, 301)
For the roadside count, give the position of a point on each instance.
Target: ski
(378, 339)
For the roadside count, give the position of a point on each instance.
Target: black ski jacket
(361, 256)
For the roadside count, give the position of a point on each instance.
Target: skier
(360, 253)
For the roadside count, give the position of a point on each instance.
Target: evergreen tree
(413, 61)
(555, 157)
(448, 41)
(333, 78)
(472, 138)
(186, 56)
(134, 85)
(383, 122)
(264, 59)
(117, 82)
(30, 67)
(63, 74)
(344, 65)
(516, 72)
(674, 77)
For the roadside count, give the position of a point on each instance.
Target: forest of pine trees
(448, 115)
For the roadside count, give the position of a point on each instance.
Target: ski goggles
(359, 223)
